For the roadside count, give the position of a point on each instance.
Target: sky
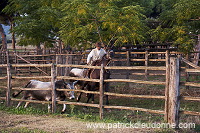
(6, 29)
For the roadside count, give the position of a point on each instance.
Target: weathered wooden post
(174, 92)
(127, 64)
(53, 76)
(101, 91)
(146, 63)
(167, 76)
(57, 69)
(187, 75)
(68, 60)
(8, 85)
(8, 81)
(16, 62)
(63, 62)
(128, 58)
(29, 67)
(60, 59)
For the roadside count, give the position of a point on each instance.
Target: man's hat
(98, 44)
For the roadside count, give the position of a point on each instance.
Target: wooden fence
(172, 87)
(128, 58)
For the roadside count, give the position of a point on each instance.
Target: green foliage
(81, 22)
(179, 24)
(91, 21)
(37, 21)
(4, 17)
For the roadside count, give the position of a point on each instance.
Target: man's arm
(89, 56)
(104, 52)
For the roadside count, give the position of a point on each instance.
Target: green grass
(21, 130)
(87, 114)
(90, 114)
(21, 110)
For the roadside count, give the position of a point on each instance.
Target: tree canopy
(180, 24)
(92, 21)
(81, 22)
(37, 21)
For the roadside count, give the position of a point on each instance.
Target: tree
(36, 20)
(3, 20)
(82, 22)
(7, 19)
(177, 25)
(90, 21)
(187, 13)
(180, 25)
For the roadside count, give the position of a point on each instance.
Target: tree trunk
(3, 36)
(60, 46)
(197, 49)
(13, 35)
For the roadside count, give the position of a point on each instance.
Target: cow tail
(15, 94)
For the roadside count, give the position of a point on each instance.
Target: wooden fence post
(8, 81)
(127, 64)
(8, 85)
(128, 58)
(167, 76)
(101, 91)
(67, 61)
(146, 63)
(174, 92)
(57, 71)
(16, 62)
(187, 75)
(53, 76)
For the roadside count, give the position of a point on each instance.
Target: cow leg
(27, 103)
(64, 109)
(23, 98)
(82, 88)
(79, 97)
(89, 96)
(19, 104)
(92, 88)
(49, 108)
(106, 90)
(92, 98)
(88, 87)
(79, 94)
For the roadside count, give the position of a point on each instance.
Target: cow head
(71, 93)
(71, 85)
(63, 85)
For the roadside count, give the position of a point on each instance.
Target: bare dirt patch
(54, 124)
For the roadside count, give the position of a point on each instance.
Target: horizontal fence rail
(33, 77)
(136, 109)
(19, 88)
(190, 98)
(117, 94)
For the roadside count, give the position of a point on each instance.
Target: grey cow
(45, 95)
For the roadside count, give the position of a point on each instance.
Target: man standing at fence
(96, 54)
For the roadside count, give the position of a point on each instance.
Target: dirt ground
(52, 124)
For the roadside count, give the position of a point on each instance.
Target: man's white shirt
(95, 54)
